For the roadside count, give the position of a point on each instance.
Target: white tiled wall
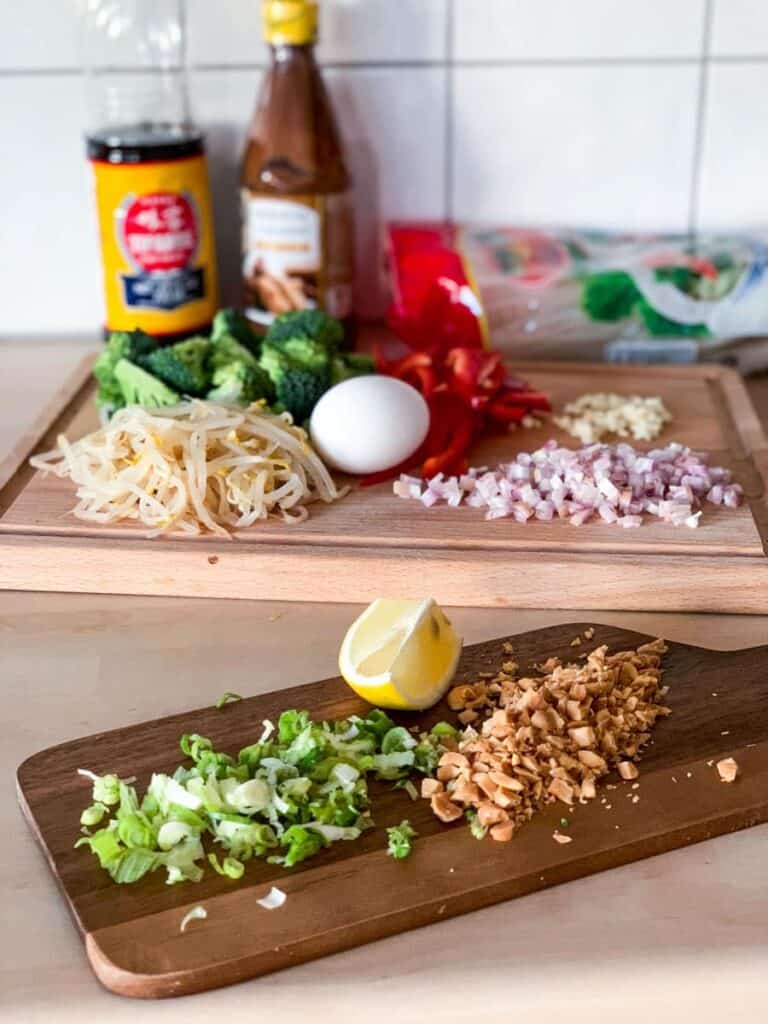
(637, 114)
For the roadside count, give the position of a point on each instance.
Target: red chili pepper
(469, 393)
(475, 371)
(416, 369)
(512, 406)
(450, 433)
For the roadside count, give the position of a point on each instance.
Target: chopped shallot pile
(611, 483)
(546, 738)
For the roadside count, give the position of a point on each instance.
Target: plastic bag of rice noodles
(573, 294)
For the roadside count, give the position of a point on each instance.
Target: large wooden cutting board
(373, 543)
(354, 893)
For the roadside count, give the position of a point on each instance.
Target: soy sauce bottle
(297, 216)
(149, 167)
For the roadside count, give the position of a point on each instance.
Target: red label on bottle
(159, 231)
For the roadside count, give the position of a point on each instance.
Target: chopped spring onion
(195, 914)
(227, 698)
(275, 898)
(400, 840)
(92, 815)
(230, 867)
(302, 786)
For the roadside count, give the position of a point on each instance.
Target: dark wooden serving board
(353, 893)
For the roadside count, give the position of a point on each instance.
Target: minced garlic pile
(546, 738)
(593, 416)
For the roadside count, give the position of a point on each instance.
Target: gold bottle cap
(289, 22)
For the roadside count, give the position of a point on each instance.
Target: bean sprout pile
(197, 466)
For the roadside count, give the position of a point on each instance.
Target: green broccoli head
(138, 387)
(352, 364)
(241, 384)
(307, 323)
(182, 366)
(232, 323)
(298, 392)
(225, 349)
(609, 296)
(130, 345)
(298, 385)
(303, 353)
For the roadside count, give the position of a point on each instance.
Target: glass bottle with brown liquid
(296, 203)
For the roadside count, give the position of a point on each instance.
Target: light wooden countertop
(681, 933)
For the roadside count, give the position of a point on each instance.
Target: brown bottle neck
(284, 53)
(294, 145)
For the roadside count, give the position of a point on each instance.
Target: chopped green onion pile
(296, 790)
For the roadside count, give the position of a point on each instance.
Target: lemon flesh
(400, 654)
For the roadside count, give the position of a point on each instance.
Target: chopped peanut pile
(546, 737)
(727, 769)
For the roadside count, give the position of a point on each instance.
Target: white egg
(368, 424)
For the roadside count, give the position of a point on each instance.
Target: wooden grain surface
(353, 893)
(372, 535)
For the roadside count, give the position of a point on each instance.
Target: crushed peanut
(727, 769)
(547, 737)
(560, 838)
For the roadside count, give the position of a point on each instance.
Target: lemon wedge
(400, 654)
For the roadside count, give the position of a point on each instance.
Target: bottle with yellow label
(297, 216)
(150, 174)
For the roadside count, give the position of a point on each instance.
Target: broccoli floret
(140, 388)
(351, 365)
(182, 366)
(299, 391)
(225, 349)
(130, 345)
(303, 353)
(307, 323)
(240, 384)
(298, 385)
(609, 296)
(232, 323)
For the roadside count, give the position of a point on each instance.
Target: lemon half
(400, 654)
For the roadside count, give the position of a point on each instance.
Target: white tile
(351, 31)
(51, 279)
(602, 146)
(39, 34)
(739, 28)
(225, 32)
(223, 102)
(382, 30)
(393, 124)
(556, 29)
(395, 155)
(734, 169)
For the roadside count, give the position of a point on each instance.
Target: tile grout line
(700, 125)
(448, 152)
(394, 65)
